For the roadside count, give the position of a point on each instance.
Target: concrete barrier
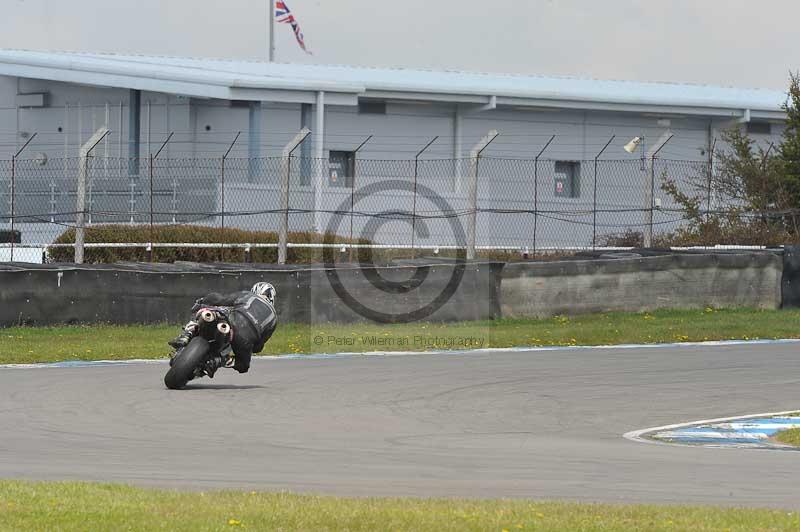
(642, 284)
(155, 293)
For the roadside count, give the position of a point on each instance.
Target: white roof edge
(214, 77)
(173, 74)
(183, 88)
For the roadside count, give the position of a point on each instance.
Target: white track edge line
(638, 436)
(454, 352)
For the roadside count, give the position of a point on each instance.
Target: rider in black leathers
(252, 318)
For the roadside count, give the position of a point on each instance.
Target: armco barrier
(155, 293)
(642, 284)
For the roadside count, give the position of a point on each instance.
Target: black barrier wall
(158, 293)
(790, 279)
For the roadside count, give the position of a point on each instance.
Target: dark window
(371, 107)
(240, 104)
(759, 128)
(568, 179)
(342, 167)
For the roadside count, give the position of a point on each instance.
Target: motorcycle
(213, 338)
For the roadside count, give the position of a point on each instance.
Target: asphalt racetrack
(540, 425)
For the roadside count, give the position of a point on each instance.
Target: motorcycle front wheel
(185, 362)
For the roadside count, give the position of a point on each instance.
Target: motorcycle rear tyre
(185, 362)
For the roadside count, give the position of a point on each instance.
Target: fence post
(648, 237)
(83, 171)
(458, 126)
(353, 192)
(90, 203)
(150, 244)
(222, 208)
(13, 206)
(152, 160)
(53, 201)
(283, 233)
(222, 196)
(710, 178)
(594, 200)
(414, 206)
(536, 191)
(650, 200)
(472, 198)
(319, 154)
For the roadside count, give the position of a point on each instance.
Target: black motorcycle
(213, 339)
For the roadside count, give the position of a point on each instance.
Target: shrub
(197, 234)
(193, 234)
(628, 239)
(758, 189)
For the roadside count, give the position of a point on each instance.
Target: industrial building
(368, 122)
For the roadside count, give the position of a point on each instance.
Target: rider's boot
(183, 339)
(214, 363)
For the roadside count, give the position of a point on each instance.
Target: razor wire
(520, 203)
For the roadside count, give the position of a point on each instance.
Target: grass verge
(22, 345)
(789, 437)
(80, 506)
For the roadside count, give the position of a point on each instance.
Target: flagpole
(271, 16)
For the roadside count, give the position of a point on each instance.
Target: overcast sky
(728, 42)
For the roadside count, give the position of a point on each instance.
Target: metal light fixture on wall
(633, 144)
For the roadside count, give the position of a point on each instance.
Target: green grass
(79, 507)
(104, 342)
(789, 437)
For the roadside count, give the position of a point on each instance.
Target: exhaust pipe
(208, 316)
(223, 328)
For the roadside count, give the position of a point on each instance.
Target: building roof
(252, 80)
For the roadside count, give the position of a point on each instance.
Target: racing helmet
(265, 290)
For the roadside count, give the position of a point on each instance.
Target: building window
(759, 128)
(371, 107)
(568, 179)
(342, 165)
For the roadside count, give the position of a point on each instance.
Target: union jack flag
(284, 15)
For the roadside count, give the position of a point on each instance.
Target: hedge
(199, 234)
(194, 234)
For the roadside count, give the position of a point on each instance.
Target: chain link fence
(526, 205)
